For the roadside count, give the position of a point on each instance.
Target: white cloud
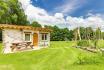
(41, 15)
(93, 21)
(58, 15)
(25, 3)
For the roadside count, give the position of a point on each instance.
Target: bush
(100, 44)
(85, 43)
(86, 59)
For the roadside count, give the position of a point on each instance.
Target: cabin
(19, 38)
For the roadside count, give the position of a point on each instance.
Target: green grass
(59, 56)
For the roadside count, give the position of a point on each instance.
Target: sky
(65, 13)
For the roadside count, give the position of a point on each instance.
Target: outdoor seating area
(20, 38)
(21, 46)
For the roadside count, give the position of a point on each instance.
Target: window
(44, 36)
(27, 37)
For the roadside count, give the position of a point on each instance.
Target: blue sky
(65, 13)
(89, 6)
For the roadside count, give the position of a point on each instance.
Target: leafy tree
(4, 9)
(89, 33)
(35, 24)
(59, 34)
(11, 12)
(70, 35)
(83, 32)
(55, 34)
(75, 33)
(102, 33)
(98, 33)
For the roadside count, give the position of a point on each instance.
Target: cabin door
(35, 39)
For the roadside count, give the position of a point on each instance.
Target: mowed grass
(59, 56)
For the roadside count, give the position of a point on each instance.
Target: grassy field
(59, 56)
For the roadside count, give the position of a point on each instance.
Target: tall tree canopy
(11, 12)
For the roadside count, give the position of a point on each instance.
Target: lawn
(59, 56)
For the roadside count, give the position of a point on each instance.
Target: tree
(102, 33)
(64, 34)
(17, 13)
(89, 33)
(78, 29)
(35, 24)
(75, 33)
(55, 35)
(4, 10)
(83, 33)
(11, 12)
(98, 33)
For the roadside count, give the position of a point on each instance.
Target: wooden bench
(21, 45)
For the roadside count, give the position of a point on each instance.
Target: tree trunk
(79, 33)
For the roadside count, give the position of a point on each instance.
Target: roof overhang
(8, 26)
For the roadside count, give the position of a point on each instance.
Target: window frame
(44, 36)
(25, 36)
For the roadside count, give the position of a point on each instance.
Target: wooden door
(35, 39)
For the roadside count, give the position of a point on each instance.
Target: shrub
(100, 44)
(86, 59)
(85, 43)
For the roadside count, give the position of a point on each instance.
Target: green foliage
(88, 33)
(102, 34)
(60, 34)
(35, 24)
(85, 43)
(98, 33)
(88, 59)
(64, 34)
(91, 43)
(11, 12)
(100, 44)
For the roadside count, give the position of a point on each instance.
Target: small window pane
(45, 36)
(27, 37)
(42, 36)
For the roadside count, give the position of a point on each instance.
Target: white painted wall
(11, 36)
(43, 43)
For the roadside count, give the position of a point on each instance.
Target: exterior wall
(14, 36)
(43, 43)
(11, 36)
(32, 32)
(31, 35)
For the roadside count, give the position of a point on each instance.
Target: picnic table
(20, 45)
